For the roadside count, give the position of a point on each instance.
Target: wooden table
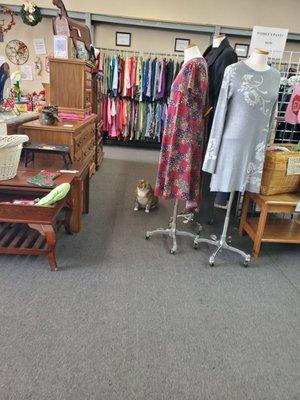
(80, 190)
(29, 229)
(261, 230)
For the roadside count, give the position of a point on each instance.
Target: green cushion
(55, 195)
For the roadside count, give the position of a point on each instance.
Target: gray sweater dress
(242, 123)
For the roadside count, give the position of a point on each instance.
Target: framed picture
(181, 44)
(123, 39)
(241, 50)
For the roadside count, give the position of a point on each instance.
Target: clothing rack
(140, 53)
(134, 106)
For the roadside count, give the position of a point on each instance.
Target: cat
(144, 196)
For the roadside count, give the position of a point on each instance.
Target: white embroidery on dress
(253, 94)
(230, 71)
(255, 169)
(211, 150)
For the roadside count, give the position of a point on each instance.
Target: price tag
(293, 166)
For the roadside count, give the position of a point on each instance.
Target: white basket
(10, 153)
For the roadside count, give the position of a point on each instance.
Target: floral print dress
(179, 169)
(243, 118)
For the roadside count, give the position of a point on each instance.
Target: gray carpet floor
(125, 320)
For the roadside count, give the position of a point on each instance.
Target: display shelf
(271, 230)
(278, 230)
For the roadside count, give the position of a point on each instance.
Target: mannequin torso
(258, 60)
(217, 40)
(191, 52)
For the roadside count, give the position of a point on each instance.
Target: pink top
(292, 114)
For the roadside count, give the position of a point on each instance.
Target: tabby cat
(144, 196)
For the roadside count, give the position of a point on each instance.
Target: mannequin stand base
(172, 231)
(223, 242)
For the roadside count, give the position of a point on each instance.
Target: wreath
(5, 10)
(31, 13)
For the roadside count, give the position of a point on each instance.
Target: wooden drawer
(85, 136)
(85, 151)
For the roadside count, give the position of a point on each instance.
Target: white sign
(26, 72)
(39, 46)
(271, 39)
(61, 46)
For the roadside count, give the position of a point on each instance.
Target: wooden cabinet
(80, 136)
(71, 85)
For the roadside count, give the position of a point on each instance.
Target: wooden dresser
(80, 136)
(71, 85)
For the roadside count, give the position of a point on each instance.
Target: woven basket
(275, 179)
(10, 153)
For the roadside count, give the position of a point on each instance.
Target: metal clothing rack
(141, 53)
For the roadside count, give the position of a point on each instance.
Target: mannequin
(258, 60)
(217, 40)
(242, 122)
(179, 169)
(218, 56)
(192, 51)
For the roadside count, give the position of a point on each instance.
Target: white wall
(143, 39)
(148, 40)
(235, 13)
(26, 34)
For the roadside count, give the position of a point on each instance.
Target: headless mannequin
(258, 60)
(192, 51)
(218, 56)
(217, 40)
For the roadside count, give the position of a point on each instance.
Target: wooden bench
(31, 148)
(29, 229)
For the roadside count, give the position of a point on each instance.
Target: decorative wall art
(123, 39)
(241, 50)
(30, 13)
(6, 20)
(181, 44)
(17, 52)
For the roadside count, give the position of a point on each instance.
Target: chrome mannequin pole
(171, 231)
(222, 242)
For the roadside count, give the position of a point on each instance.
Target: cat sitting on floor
(144, 196)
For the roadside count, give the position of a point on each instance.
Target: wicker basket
(275, 179)
(10, 153)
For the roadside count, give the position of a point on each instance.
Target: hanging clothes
(179, 169)
(135, 95)
(292, 114)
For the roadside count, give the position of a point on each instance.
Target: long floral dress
(179, 169)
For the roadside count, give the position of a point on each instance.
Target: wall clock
(17, 52)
